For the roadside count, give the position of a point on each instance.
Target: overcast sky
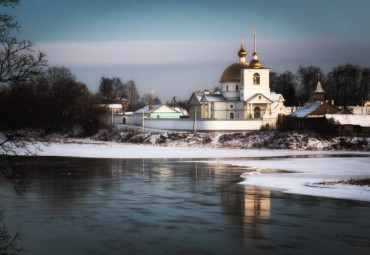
(176, 47)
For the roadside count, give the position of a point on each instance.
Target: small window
(256, 79)
(259, 97)
(231, 106)
(237, 88)
(227, 87)
(231, 115)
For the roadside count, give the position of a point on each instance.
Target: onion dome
(242, 53)
(233, 72)
(255, 63)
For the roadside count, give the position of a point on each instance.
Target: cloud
(131, 53)
(276, 54)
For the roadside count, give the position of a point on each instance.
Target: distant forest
(345, 84)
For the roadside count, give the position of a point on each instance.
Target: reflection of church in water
(254, 206)
(245, 93)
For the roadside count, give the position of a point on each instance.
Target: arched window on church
(227, 87)
(256, 79)
(237, 88)
(231, 115)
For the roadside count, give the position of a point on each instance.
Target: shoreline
(307, 167)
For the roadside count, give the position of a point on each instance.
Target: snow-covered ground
(306, 172)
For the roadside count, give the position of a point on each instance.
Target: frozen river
(170, 206)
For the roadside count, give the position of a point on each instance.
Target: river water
(152, 206)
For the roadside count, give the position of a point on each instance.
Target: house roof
(213, 98)
(345, 111)
(164, 109)
(114, 106)
(198, 95)
(316, 109)
(276, 97)
(350, 119)
(146, 108)
(306, 109)
(183, 111)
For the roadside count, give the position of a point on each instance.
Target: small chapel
(245, 93)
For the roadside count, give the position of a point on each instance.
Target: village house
(312, 114)
(156, 112)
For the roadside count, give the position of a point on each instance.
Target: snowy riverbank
(302, 170)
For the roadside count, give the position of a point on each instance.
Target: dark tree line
(55, 102)
(345, 84)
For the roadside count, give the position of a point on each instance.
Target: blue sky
(176, 47)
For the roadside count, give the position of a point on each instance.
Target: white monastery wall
(203, 125)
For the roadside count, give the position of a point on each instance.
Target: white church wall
(219, 111)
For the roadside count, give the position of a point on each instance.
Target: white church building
(244, 103)
(245, 94)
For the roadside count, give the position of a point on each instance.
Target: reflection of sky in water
(111, 206)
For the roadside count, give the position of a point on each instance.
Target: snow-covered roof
(213, 98)
(198, 95)
(164, 109)
(276, 97)
(350, 119)
(147, 108)
(359, 109)
(114, 106)
(306, 109)
(181, 110)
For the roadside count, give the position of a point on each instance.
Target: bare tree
(106, 88)
(348, 84)
(364, 90)
(132, 94)
(307, 77)
(57, 73)
(149, 99)
(8, 243)
(284, 84)
(18, 61)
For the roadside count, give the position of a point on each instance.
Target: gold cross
(242, 41)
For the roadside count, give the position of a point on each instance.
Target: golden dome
(242, 52)
(232, 72)
(255, 63)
